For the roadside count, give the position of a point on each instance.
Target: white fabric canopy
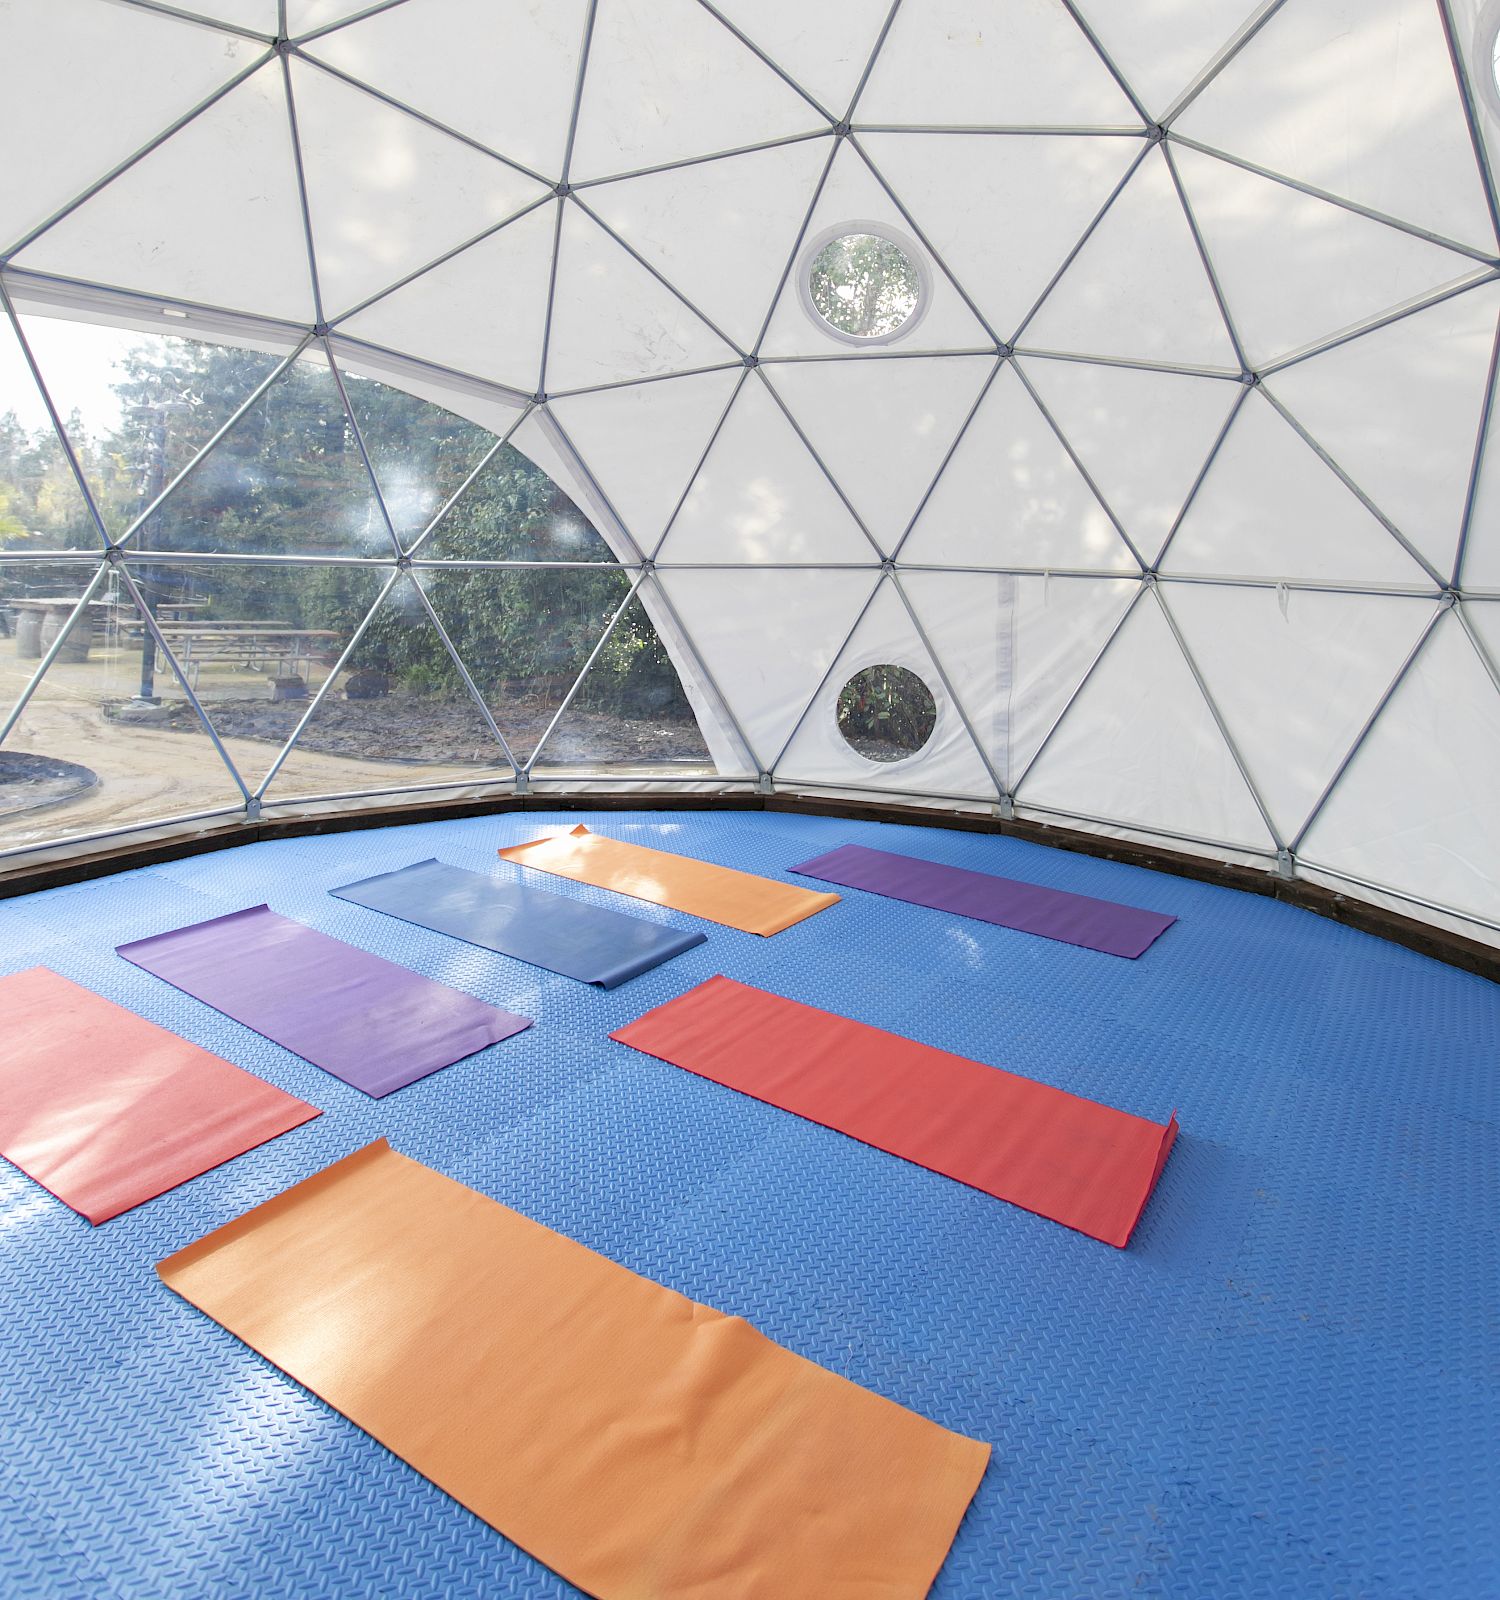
(1179, 489)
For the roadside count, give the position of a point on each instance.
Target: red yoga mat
(1080, 1163)
(107, 1110)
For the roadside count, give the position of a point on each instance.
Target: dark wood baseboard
(119, 855)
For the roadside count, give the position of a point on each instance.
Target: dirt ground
(151, 772)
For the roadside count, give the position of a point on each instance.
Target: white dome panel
(1357, 98)
(1139, 745)
(211, 216)
(1011, 496)
(502, 73)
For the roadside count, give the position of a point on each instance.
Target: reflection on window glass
(864, 285)
(286, 479)
(420, 453)
(886, 713)
(514, 512)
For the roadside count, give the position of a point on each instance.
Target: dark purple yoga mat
(1026, 907)
(377, 1026)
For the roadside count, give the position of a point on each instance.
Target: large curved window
(324, 586)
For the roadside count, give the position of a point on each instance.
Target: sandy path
(145, 774)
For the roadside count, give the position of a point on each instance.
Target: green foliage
(289, 479)
(887, 712)
(864, 285)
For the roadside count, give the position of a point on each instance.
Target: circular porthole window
(864, 283)
(886, 713)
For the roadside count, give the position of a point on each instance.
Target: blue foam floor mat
(1288, 1386)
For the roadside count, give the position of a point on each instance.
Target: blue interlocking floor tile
(1288, 1386)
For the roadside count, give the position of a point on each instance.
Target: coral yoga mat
(643, 1446)
(1101, 925)
(377, 1026)
(717, 894)
(1080, 1163)
(107, 1110)
(517, 919)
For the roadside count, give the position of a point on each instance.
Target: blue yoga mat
(513, 919)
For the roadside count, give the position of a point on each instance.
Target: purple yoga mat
(1028, 907)
(377, 1026)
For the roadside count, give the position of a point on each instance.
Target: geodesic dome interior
(634, 393)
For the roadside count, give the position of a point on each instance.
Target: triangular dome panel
(396, 715)
(1140, 746)
(949, 762)
(644, 105)
(483, 311)
(1162, 47)
(720, 231)
(502, 73)
(613, 321)
(1143, 437)
(259, 16)
(1415, 810)
(1295, 677)
(94, 116)
(1137, 289)
(760, 496)
(882, 428)
(851, 197)
(386, 194)
(1268, 507)
(642, 443)
(974, 196)
(1010, 496)
(1294, 269)
(630, 710)
(1355, 97)
(823, 48)
(525, 635)
(1015, 648)
(768, 638)
(1399, 410)
(210, 216)
(991, 63)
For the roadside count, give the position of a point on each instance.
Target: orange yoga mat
(107, 1110)
(643, 1446)
(717, 894)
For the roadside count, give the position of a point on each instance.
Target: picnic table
(272, 645)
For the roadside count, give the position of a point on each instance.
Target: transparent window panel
(256, 641)
(41, 506)
(524, 635)
(88, 753)
(514, 512)
(396, 715)
(287, 479)
(630, 711)
(420, 453)
(137, 407)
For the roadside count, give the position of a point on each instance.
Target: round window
(886, 713)
(863, 285)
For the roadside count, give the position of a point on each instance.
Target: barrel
(28, 633)
(76, 645)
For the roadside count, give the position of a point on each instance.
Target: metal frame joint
(764, 784)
